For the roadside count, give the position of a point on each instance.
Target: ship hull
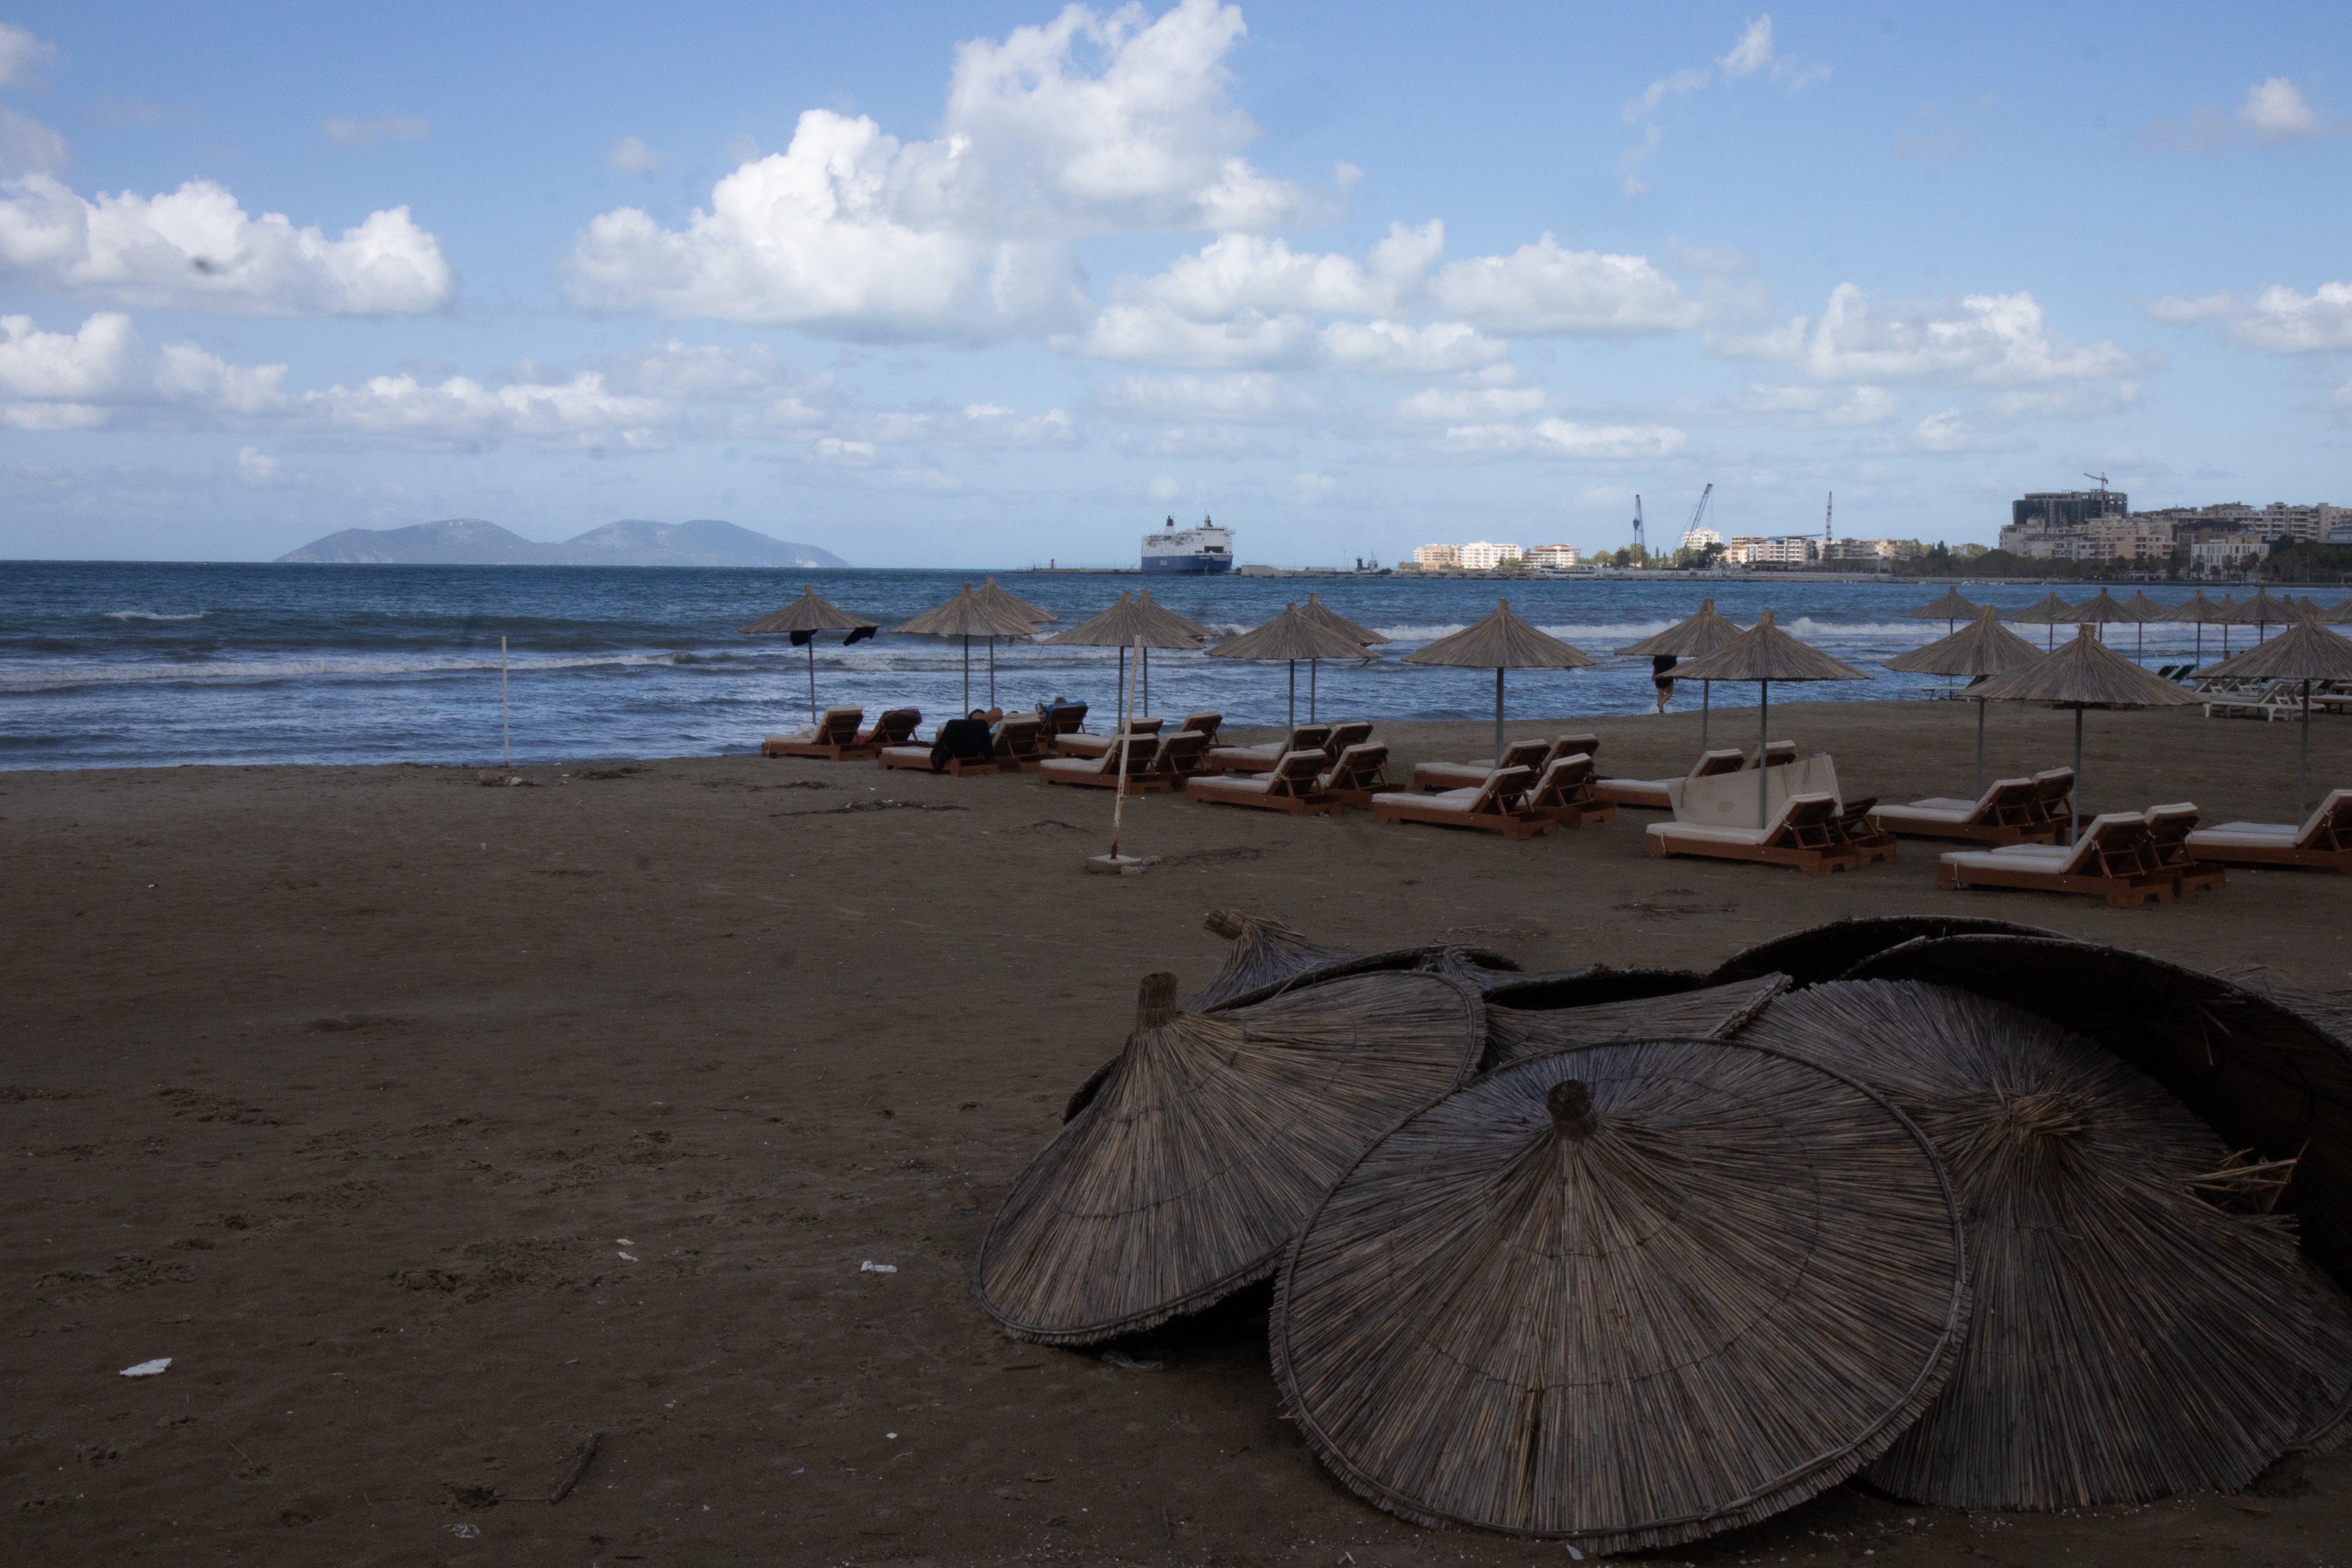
(1187, 565)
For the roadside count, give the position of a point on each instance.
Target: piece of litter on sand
(631, 1256)
(146, 1368)
(622, 1241)
(465, 1532)
(1574, 1555)
(869, 1267)
(1125, 1363)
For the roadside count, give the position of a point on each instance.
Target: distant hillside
(471, 542)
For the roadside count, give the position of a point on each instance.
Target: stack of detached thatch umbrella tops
(1989, 1217)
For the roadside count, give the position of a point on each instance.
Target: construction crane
(1637, 524)
(1829, 519)
(1698, 512)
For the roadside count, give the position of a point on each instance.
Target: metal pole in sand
(1115, 862)
(1498, 716)
(1763, 747)
(1980, 708)
(2075, 795)
(1310, 689)
(1705, 699)
(811, 663)
(506, 714)
(992, 672)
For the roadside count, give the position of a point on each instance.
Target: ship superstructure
(1203, 552)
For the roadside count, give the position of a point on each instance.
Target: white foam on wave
(1418, 634)
(153, 615)
(303, 669)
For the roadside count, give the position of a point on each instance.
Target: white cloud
(2276, 320)
(1252, 397)
(1799, 407)
(1310, 490)
(2274, 112)
(1467, 407)
(29, 147)
(964, 238)
(1752, 53)
(1980, 340)
(383, 127)
(1163, 488)
(1951, 431)
(1219, 442)
(1345, 175)
(630, 155)
(975, 425)
(1155, 335)
(1564, 438)
(1544, 288)
(195, 249)
(21, 54)
(257, 468)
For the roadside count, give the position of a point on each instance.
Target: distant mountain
(471, 542)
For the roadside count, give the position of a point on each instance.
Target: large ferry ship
(1203, 552)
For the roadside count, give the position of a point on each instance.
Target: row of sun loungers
(2127, 857)
(1655, 795)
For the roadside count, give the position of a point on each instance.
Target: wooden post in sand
(1115, 863)
(506, 714)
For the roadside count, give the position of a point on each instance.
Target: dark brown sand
(348, 1088)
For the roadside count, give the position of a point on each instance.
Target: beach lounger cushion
(833, 734)
(2323, 839)
(1536, 754)
(1290, 785)
(1652, 794)
(2110, 860)
(1262, 758)
(1078, 745)
(1498, 806)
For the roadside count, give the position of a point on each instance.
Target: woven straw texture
(1290, 635)
(1709, 1013)
(2305, 651)
(1120, 626)
(2130, 1339)
(1501, 641)
(1727, 1284)
(1950, 607)
(1316, 610)
(989, 594)
(1983, 647)
(1822, 953)
(968, 616)
(2085, 672)
(808, 613)
(1160, 614)
(1208, 1143)
(2195, 610)
(1688, 639)
(1765, 652)
(2046, 611)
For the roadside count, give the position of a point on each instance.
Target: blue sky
(987, 284)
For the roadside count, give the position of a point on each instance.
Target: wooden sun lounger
(2004, 813)
(1804, 834)
(834, 738)
(1650, 793)
(1018, 737)
(2109, 861)
(2052, 789)
(1290, 785)
(1063, 719)
(1498, 806)
(1076, 745)
(1102, 772)
(1777, 753)
(1536, 754)
(1360, 773)
(1344, 734)
(1855, 825)
(2324, 839)
(1205, 723)
(1564, 793)
(1267, 757)
(2169, 827)
(895, 728)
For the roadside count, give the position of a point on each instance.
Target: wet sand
(348, 1088)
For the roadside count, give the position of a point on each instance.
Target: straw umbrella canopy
(1291, 637)
(1208, 1143)
(2048, 611)
(2140, 609)
(1117, 627)
(2097, 610)
(1950, 609)
(1267, 953)
(2266, 1071)
(1315, 609)
(1161, 614)
(1764, 654)
(2085, 673)
(1629, 1294)
(2340, 615)
(2262, 612)
(1986, 647)
(2304, 652)
(1500, 642)
(804, 618)
(1516, 1032)
(1826, 951)
(2198, 611)
(968, 616)
(1689, 639)
(2131, 1338)
(989, 594)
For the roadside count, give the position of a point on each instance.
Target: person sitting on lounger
(1660, 665)
(963, 740)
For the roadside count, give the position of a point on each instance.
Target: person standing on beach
(1660, 675)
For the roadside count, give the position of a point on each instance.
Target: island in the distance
(472, 541)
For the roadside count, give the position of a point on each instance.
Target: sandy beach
(429, 1127)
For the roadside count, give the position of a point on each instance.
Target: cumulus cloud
(1252, 397)
(22, 55)
(1753, 52)
(257, 468)
(1155, 335)
(2274, 112)
(1457, 406)
(29, 147)
(630, 155)
(196, 249)
(383, 127)
(1091, 124)
(1311, 490)
(1797, 407)
(1981, 340)
(1563, 438)
(2277, 321)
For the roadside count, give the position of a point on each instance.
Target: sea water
(135, 664)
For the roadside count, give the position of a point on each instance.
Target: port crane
(1637, 524)
(1698, 512)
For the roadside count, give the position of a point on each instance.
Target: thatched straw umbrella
(2262, 612)
(2140, 609)
(2341, 615)
(1500, 642)
(1951, 609)
(1986, 648)
(989, 594)
(2130, 1338)
(968, 616)
(2084, 674)
(2200, 612)
(1267, 953)
(1764, 653)
(1690, 637)
(2265, 1073)
(1158, 614)
(1629, 1294)
(1315, 609)
(1518, 1026)
(804, 618)
(1208, 1143)
(1826, 951)
(1117, 627)
(2098, 610)
(1291, 637)
(2048, 611)
(2304, 652)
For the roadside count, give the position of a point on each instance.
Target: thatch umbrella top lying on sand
(1208, 1143)
(1500, 642)
(1826, 951)
(1630, 1294)
(2264, 1072)
(1267, 953)
(2130, 1339)
(1516, 1032)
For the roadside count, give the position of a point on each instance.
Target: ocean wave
(304, 668)
(154, 615)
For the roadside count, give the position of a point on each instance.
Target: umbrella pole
(992, 672)
(812, 656)
(1118, 692)
(1705, 699)
(1311, 665)
(1126, 740)
(967, 672)
(2074, 795)
(1498, 716)
(1143, 661)
(1763, 746)
(1981, 717)
(2303, 764)
(1293, 719)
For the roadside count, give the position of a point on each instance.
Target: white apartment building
(1481, 555)
(1868, 552)
(1437, 557)
(1556, 556)
(1754, 550)
(2229, 553)
(1700, 538)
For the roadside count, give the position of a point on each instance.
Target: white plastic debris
(870, 1267)
(622, 1241)
(629, 1257)
(147, 1368)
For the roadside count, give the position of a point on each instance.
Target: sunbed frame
(2323, 842)
(1015, 749)
(2004, 813)
(1564, 794)
(2169, 827)
(1288, 786)
(1071, 744)
(1805, 835)
(2112, 864)
(1360, 773)
(1855, 825)
(1499, 806)
(1104, 772)
(836, 738)
(1267, 756)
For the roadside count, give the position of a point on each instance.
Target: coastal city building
(1786, 549)
(1700, 538)
(2229, 551)
(2081, 533)
(1553, 555)
(1480, 555)
(1437, 557)
(1878, 553)
(2067, 508)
